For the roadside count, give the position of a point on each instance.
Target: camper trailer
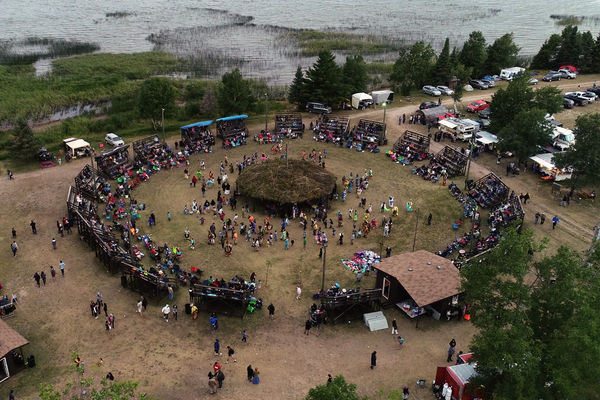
(508, 74)
(360, 101)
(382, 96)
(463, 129)
(562, 138)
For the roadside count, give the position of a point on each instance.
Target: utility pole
(324, 261)
(416, 227)
(266, 111)
(469, 161)
(163, 125)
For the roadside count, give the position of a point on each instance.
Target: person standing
(298, 292)
(271, 309)
(216, 367)
(170, 290)
(230, 353)
(175, 310)
(388, 252)
(11, 395)
(14, 233)
(33, 228)
(166, 310)
(99, 299)
(144, 302)
(36, 276)
(307, 326)
(139, 308)
(250, 373)
(429, 217)
(111, 320)
(244, 336)
(61, 266)
(105, 310)
(394, 327)
(373, 359)
(542, 219)
(14, 247)
(43, 276)
(169, 216)
(52, 272)
(54, 243)
(537, 217)
(451, 350)
(405, 393)
(212, 383)
(555, 221)
(217, 347)
(329, 379)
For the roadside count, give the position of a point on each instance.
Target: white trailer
(508, 74)
(361, 101)
(382, 96)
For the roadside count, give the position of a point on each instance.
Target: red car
(477, 106)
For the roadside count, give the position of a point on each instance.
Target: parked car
(44, 155)
(446, 91)
(567, 74)
(113, 140)
(590, 97)
(431, 90)
(533, 81)
(595, 90)
(578, 100)
(485, 123)
(477, 84)
(485, 113)
(552, 76)
(568, 103)
(477, 105)
(489, 82)
(427, 104)
(319, 108)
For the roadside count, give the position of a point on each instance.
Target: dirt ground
(171, 360)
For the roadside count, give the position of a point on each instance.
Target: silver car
(431, 90)
(445, 90)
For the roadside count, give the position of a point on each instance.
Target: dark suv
(477, 84)
(552, 76)
(427, 104)
(319, 108)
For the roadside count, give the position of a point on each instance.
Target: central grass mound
(294, 181)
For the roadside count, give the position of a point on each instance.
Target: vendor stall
(544, 164)
(76, 148)
(418, 283)
(382, 96)
(487, 140)
(432, 115)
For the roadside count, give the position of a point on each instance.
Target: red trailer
(457, 377)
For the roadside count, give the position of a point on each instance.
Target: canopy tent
(74, 145)
(197, 125)
(360, 100)
(545, 163)
(486, 138)
(382, 96)
(457, 377)
(232, 118)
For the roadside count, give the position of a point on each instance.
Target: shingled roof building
(11, 352)
(418, 282)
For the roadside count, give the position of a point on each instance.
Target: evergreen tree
(525, 134)
(355, 74)
(474, 52)
(570, 48)
(25, 145)
(546, 57)
(297, 92)
(336, 390)
(210, 103)
(443, 67)
(501, 54)
(234, 93)
(324, 80)
(583, 155)
(595, 67)
(588, 48)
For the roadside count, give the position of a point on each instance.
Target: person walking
(139, 308)
(307, 326)
(542, 219)
(394, 327)
(111, 319)
(230, 353)
(217, 347)
(54, 243)
(36, 276)
(250, 372)
(212, 383)
(429, 217)
(555, 221)
(14, 233)
(33, 228)
(61, 266)
(244, 336)
(170, 290)
(175, 310)
(52, 272)
(14, 247)
(298, 292)
(166, 310)
(105, 310)
(43, 276)
(220, 378)
(537, 217)
(271, 309)
(451, 350)
(373, 359)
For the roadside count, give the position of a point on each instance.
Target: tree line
(571, 47)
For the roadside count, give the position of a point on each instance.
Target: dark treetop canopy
(295, 182)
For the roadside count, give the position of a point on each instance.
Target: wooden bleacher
(341, 305)
(331, 129)
(417, 143)
(289, 125)
(145, 149)
(89, 183)
(234, 301)
(489, 191)
(453, 161)
(115, 162)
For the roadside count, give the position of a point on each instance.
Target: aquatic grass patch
(565, 19)
(119, 14)
(31, 49)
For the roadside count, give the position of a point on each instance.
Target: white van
(508, 74)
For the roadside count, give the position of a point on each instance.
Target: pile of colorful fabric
(361, 261)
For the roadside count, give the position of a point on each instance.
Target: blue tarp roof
(233, 117)
(197, 124)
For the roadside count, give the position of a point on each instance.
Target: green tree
(210, 103)
(584, 155)
(474, 52)
(355, 75)
(443, 67)
(324, 80)
(501, 54)
(595, 67)
(508, 102)
(413, 68)
(336, 390)
(155, 95)
(588, 47)
(297, 92)
(570, 48)
(525, 133)
(546, 57)
(233, 94)
(549, 99)
(25, 145)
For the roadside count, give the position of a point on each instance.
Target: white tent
(75, 146)
(545, 162)
(486, 138)
(358, 98)
(382, 96)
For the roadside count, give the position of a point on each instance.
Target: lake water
(247, 31)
